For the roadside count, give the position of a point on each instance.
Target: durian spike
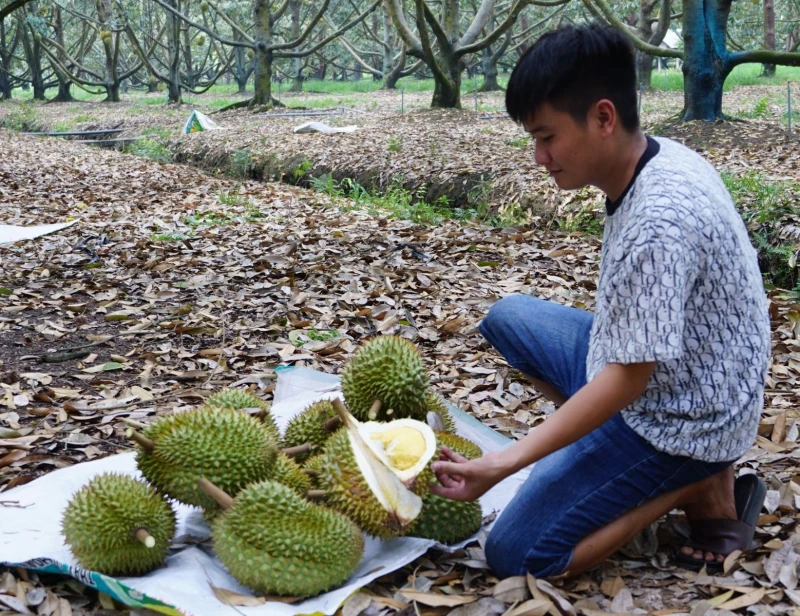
(373, 410)
(142, 440)
(209, 489)
(291, 452)
(145, 537)
(133, 423)
(316, 494)
(333, 423)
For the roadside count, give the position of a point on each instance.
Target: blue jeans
(588, 484)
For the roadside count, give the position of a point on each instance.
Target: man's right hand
(466, 480)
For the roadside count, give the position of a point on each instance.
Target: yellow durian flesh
(405, 446)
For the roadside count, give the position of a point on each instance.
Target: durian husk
(445, 520)
(238, 399)
(291, 474)
(275, 542)
(229, 448)
(389, 369)
(458, 444)
(101, 521)
(435, 404)
(315, 464)
(310, 427)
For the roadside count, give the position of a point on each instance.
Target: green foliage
(301, 170)
(24, 118)
(206, 219)
(519, 142)
(242, 163)
(149, 148)
(169, 237)
(396, 202)
(766, 207)
(395, 143)
(322, 335)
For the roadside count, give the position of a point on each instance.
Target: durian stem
(333, 423)
(311, 472)
(373, 410)
(133, 423)
(291, 452)
(316, 494)
(209, 489)
(142, 440)
(145, 537)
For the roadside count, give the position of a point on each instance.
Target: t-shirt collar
(652, 149)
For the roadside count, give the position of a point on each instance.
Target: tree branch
(609, 15)
(395, 8)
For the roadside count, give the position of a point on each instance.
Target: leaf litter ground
(176, 283)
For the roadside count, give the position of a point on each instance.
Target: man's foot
(722, 519)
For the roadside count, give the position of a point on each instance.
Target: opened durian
(391, 370)
(118, 525)
(274, 541)
(368, 469)
(229, 448)
(238, 399)
(313, 426)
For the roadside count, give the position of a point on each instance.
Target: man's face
(566, 148)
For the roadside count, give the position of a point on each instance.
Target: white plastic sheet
(30, 533)
(12, 233)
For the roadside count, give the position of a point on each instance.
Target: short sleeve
(646, 301)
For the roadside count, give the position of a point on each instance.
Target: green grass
(743, 75)
(767, 206)
(149, 148)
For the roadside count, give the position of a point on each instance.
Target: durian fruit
(313, 466)
(238, 399)
(200, 40)
(251, 54)
(459, 445)
(118, 525)
(275, 542)
(229, 448)
(204, 6)
(446, 520)
(291, 474)
(313, 426)
(435, 404)
(388, 369)
(367, 469)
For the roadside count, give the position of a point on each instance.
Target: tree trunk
(263, 37)
(5, 64)
(489, 62)
(769, 34)
(64, 84)
(297, 64)
(644, 69)
(174, 90)
(704, 66)
(187, 55)
(447, 93)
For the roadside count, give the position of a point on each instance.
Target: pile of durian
(287, 510)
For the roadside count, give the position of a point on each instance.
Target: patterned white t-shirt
(680, 285)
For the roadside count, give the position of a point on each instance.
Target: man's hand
(466, 480)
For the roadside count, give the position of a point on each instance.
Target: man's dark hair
(571, 69)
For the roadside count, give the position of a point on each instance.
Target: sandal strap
(720, 536)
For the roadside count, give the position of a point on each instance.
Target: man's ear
(605, 117)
